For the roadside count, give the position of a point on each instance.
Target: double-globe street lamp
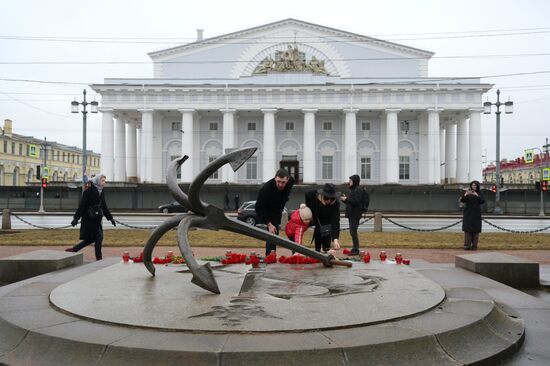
(508, 108)
(75, 109)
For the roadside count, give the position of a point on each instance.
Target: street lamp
(508, 108)
(93, 109)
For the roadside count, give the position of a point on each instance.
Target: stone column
(442, 145)
(433, 146)
(146, 145)
(350, 144)
(269, 163)
(475, 161)
(392, 147)
(462, 161)
(138, 152)
(309, 155)
(450, 152)
(187, 145)
(107, 141)
(228, 143)
(131, 151)
(120, 149)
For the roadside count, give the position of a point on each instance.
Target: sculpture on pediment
(291, 60)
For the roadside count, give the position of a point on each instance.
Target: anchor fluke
(238, 160)
(204, 277)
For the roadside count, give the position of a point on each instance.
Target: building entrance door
(292, 167)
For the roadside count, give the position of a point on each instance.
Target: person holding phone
(471, 217)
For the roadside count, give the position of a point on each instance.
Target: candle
(126, 256)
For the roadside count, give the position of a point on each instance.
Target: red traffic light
(44, 183)
(494, 188)
(544, 185)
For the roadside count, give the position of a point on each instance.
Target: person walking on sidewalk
(271, 202)
(471, 219)
(91, 210)
(354, 210)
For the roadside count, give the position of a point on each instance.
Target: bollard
(6, 219)
(378, 222)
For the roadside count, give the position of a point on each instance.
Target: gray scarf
(96, 180)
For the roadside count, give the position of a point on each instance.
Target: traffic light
(544, 185)
(44, 183)
(494, 188)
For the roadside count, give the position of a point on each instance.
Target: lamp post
(508, 108)
(93, 109)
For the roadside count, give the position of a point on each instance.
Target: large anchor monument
(207, 216)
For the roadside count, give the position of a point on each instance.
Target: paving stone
(10, 336)
(88, 332)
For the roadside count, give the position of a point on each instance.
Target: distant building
(517, 171)
(20, 155)
(322, 103)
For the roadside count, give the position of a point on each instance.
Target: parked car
(172, 207)
(247, 213)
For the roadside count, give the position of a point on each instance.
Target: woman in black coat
(91, 209)
(326, 211)
(471, 220)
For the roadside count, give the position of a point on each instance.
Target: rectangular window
(327, 167)
(172, 158)
(78, 159)
(28, 150)
(213, 126)
(13, 148)
(251, 126)
(20, 149)
(327, 126)
(58, 155)
(404, 167)
(252, 168)
(5, 146)
(365, 126)
(289, 126)
(63, 156)
(176, 126)
(214, 175)
(365, 167)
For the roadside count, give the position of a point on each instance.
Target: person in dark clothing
(354, 210)
(91, 209)
(236, 202)
(226, 202)
(326, 217)
(471, 219)
(271, 201)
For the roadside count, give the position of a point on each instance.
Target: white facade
(330, 104)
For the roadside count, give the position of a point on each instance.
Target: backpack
(364, 199)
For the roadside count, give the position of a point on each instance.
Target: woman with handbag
(325, 209)
(471, 219)
(91, 209)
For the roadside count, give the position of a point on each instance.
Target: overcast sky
(78, 31)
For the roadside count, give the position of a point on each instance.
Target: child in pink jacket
(298, 224)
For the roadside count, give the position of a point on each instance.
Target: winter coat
(354, 208)
(471, 219)
(271, 202)
(323, 215)
(295, 227)
(88, 226)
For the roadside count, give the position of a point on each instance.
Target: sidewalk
(430, 255)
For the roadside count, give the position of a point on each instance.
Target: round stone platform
(110, 313)
(275, 298)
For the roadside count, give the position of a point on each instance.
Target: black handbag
(95, 212)
(325, 230)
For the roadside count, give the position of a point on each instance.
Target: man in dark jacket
(354, 210)
(271, 201)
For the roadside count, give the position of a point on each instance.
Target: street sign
(33, 151)
(529, 156)
(545, 173)
(46, 172)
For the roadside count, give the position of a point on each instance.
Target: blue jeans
(98, 241)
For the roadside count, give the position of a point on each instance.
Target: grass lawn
(206, 238)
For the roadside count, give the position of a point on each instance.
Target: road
(414, 222)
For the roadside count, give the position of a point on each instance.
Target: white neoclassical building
(321, 102)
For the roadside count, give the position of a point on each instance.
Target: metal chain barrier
(135, 227)
(516, 231)
(421, 230)
(41, 227)
(361, 222)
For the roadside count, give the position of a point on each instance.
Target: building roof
(519, 163)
